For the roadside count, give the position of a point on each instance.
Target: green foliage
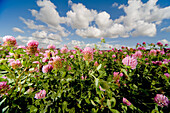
(79, 89)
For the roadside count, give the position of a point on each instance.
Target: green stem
(22, 85)
(17, 81)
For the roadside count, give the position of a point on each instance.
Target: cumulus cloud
(144, 29)
(41, 35)
(143, 16)
(80, 17)
(103, 20)
(140, 19)
(70, 2)
(48, 13)
(31, 24)
(15, 29)
(167, 29)
(115, 4)
(90, 32)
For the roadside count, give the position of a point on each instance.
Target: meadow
(126, 80)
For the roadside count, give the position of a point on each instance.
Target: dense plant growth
(84, 80)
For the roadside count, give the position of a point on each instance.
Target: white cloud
(70, 2)
(121, 6)
(103, 20)
(80, 17)
(31, 24)
(90, 32)
(15, 29)
(115, 4)
(140, 19)
(48, 13)
(149, 14)
(167, 29)
(41, 34)
(144, 29)
(44, 35)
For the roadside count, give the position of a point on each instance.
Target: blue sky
(84, 22)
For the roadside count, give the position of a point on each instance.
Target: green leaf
(104, 84)
(124, 71)
(2, 101)
(64, 105)
(99, 67)
(155, 111)
(97, 83)
(96, 99)
(64, 73)
(93, 102)
(4, 109)
(33, 109)
(111, 103)
(114, 111)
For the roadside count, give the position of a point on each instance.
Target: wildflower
(123, 47)
(166, 44)
(40, 94)
(167, 75)
(57, 64)
(161, 100)
(71, 56)
(51, 47)
(68, 67)
(9, 41)
(47, 68)
(47, 54)
(100, 52)
(64, 50)
(45, 59)
(144, 43)
(32, 47)
(157, 62)
(87, 54)
(121, 74)
(162, 52)
(128, 61)
(11, 60)
(4, 88)
(32, 43)
(74, 51)
(125, 101)
(138, 54)
(159, 44)
(96, 64)
(113, 56)
(138, 43)
(83, 78)
(15, 64)
(55, 52)
(153, 52)
(165, 61)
